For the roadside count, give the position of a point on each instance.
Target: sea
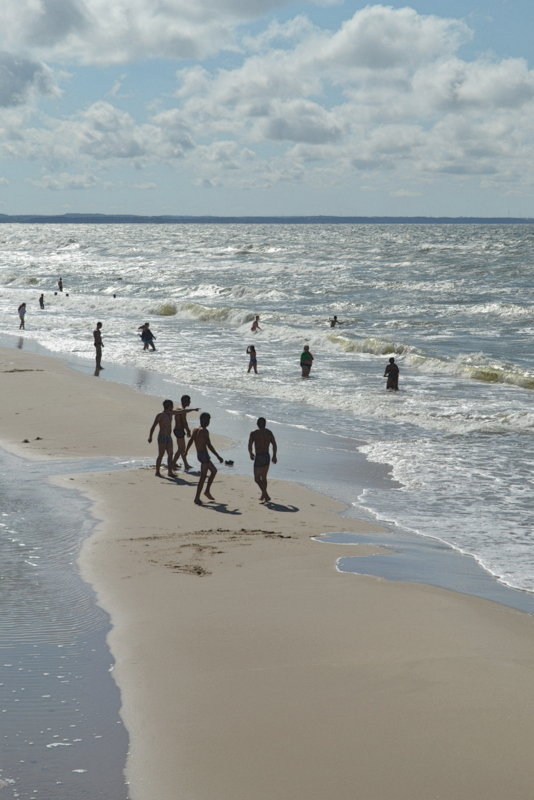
(449, 456)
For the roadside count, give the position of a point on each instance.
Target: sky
(267, 107)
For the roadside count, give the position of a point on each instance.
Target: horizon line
(76, 217)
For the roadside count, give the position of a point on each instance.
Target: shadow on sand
(279, 507)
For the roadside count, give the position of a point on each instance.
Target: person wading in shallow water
(392, 374)
(253, 359)
(147, 337)
(99, 344)
(22, 314)
(259, 443)
(306, 361)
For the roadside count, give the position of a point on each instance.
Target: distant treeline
(107, 219)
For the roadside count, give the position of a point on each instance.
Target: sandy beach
(248, 666)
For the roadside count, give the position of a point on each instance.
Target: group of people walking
(170, 420)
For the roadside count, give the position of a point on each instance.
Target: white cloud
(381, 38)
(299, 121)
(21, 79)
(386, 94)
(103, 32)
(64, 180)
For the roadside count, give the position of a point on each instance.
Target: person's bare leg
(187, 465)
(161, 453)
(203, 470)
(169, 460)
(257, 479)
(261, 480)
(213, 473)
(180, 451)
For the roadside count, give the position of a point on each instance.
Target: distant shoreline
(110, 219)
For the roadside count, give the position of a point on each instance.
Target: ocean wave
(476, 367)
(216, 314)
(164, 310)
(379, 347)
(473, 366)
(507, 310)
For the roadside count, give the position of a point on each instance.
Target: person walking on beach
(392, 374)
(22, 314)
(201, 439)
(60, 284)
(180, 429)
(259, 443)
(164, 420)
(99, 344)
(147, 337)
(256, 324)
(306, 361)
(253, 359)
(41, 301)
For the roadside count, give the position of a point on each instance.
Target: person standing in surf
(306, 361)
(253, 360)
(392, 374)
(147, 337)
(22, 315)
(99, 344)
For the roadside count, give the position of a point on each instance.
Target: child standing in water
(253, 361)
(22, 314)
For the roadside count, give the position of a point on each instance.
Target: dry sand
(249, 668)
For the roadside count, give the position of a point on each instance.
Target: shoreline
(247, 665)
(347, 471)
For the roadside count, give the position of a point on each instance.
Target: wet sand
(248, 666)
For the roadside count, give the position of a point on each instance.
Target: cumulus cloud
(100, 32)
(386, 94)
(380, 38)
(21, 78)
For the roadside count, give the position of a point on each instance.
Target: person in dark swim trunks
(253, 359)
(164, 419)
(392, 374)
(201, 439)
(180, 429)
(259, 443)
(99, 344)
